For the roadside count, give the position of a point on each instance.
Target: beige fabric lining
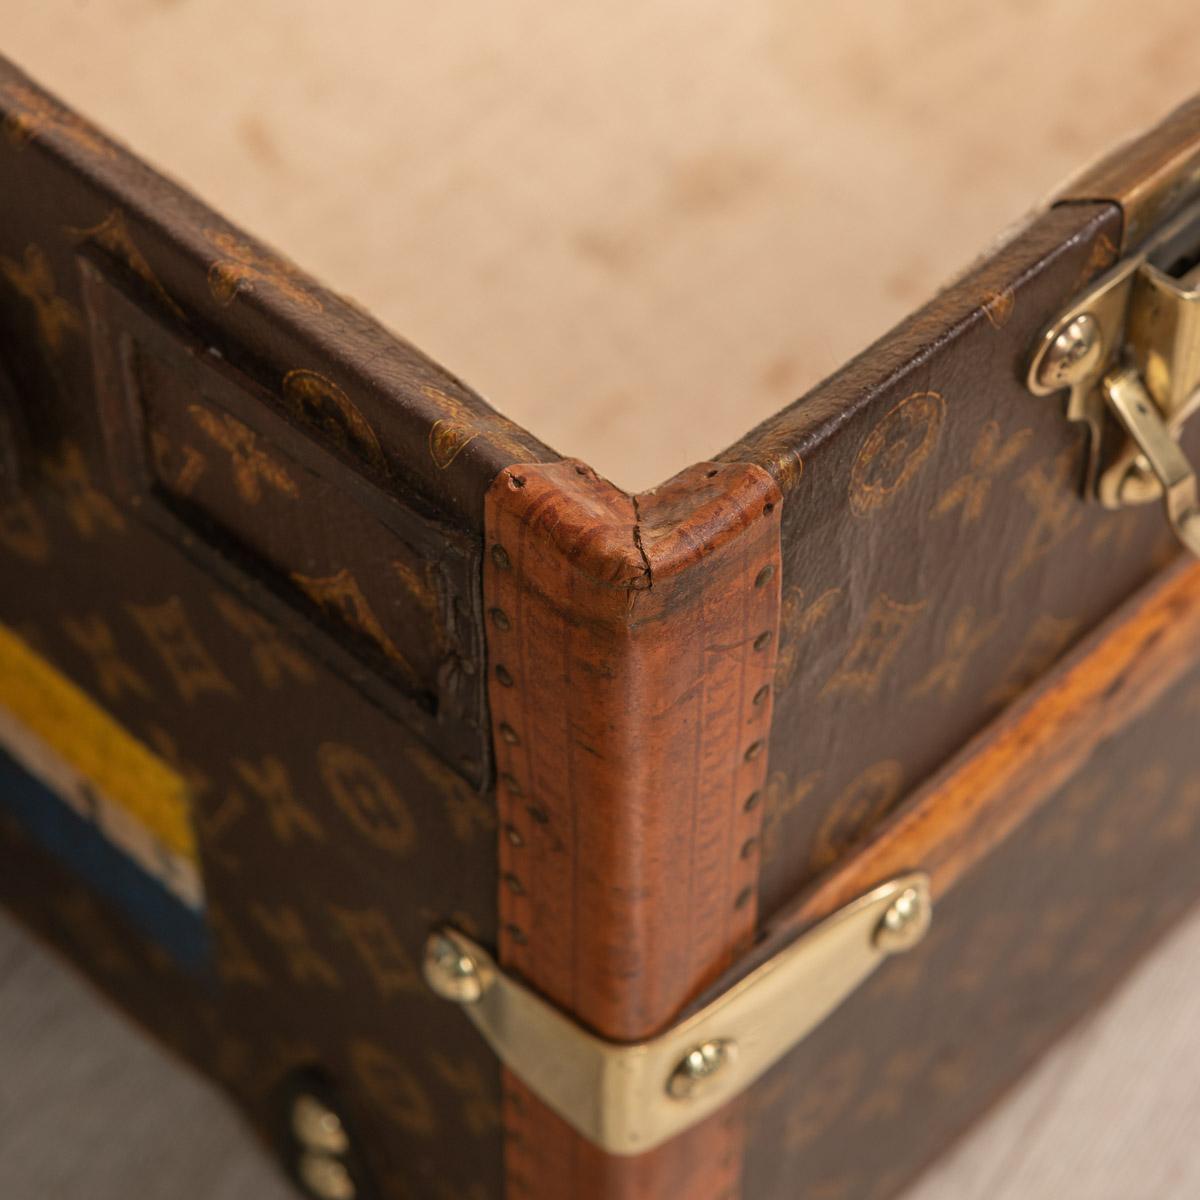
(637, 227)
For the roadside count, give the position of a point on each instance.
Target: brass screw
(906, 921)
(698, 1066)
(325, 1177)
(1074, 353)
(451, 970)
(317, 1127)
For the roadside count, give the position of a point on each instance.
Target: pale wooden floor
(637, 227)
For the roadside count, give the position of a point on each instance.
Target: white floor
(92, 1110)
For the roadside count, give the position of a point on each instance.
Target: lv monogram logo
(319, 402)
(34, 116)
(389, 964)
(33, 278)
(23, 532)
(240, 268)
(94, 637)
(990, 458)
(366, 797)
(965, 635)
(393, 1087)
(880, 637)
(341, 596)
(169, 631)
(273, 656)
(782, 798)
(859, 808)
(797, 620)
(113, 235)
(87, 506)
(235, 964)
(825, 1097)
(895, 450)
(285, 928)
(253, 467)
(270, 783)
(1052, 494)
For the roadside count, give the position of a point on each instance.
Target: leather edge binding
(1148, 176)
(631, 646)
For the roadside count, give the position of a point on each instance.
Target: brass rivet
(762, 693)
(325, 1177)
(514, 884)
(451, 971)
(764, 575)
(500, 557)
(317, 1126)
(514, 835)
(698, 1066)
(508, 733)
(504, 675)
(753, 751)
(500, 619)
(512, 783)
(517, 934)
(906, 921)
(1073, 354)
(751, 802)
(763, 640)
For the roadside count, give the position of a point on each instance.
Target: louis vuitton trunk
(483, 829)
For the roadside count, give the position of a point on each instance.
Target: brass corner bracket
(628, 1098)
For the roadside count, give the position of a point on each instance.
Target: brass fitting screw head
(906, 921)
(317, 1127)
(452, 971)
(325, 1177)
(1074, 353)
(699, 1065)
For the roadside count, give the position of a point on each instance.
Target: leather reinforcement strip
(631, 647)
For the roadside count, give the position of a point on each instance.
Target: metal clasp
(628, 1098)
(1129, 349)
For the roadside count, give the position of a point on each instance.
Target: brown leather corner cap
(630, 703)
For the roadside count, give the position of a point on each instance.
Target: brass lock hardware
(1129, 351)
(628, 1098)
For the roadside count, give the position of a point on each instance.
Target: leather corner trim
(631, 649)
